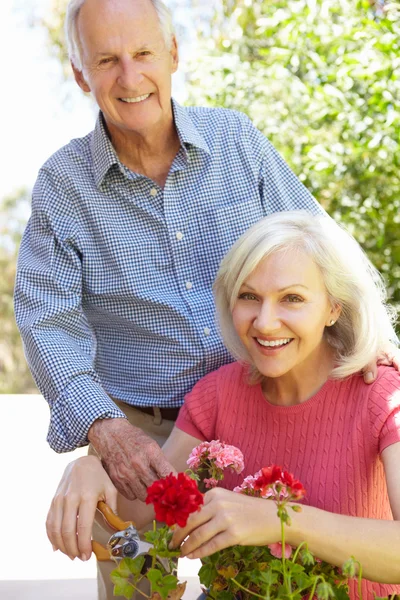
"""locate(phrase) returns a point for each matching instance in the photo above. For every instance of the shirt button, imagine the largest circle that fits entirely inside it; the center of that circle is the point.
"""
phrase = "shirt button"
(153, 192)
(179, 235)
(189, 285)
(207, 331)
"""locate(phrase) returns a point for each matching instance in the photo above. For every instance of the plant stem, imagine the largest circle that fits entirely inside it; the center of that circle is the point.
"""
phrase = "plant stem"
(246, 590)
(295, 555)
(359, 580)
(311, 596)
(139, 591)
(285, 577)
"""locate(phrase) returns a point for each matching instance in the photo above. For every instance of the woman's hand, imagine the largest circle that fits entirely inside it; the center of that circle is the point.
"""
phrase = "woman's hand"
(71, 515)
(226, 519)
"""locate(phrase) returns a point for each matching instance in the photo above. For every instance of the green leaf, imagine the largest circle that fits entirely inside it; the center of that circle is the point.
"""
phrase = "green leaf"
(160, 584)
(207, 574)
(122, 587)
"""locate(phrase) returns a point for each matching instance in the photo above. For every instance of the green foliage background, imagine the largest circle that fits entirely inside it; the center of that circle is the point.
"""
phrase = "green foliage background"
(321, 79)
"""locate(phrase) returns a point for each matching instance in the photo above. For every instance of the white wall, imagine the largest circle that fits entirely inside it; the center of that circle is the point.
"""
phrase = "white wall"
(30, 472)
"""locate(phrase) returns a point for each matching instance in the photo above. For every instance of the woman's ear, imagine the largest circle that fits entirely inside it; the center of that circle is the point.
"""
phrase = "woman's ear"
(334, 315)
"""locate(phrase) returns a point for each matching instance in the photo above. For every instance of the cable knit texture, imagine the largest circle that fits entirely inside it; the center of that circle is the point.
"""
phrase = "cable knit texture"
(332, 442)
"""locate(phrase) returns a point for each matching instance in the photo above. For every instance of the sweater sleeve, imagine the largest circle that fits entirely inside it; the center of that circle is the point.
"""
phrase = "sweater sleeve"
(198, 414)
(384, 403)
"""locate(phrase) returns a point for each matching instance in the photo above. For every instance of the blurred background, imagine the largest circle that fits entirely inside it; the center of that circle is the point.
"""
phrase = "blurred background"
(321, 79)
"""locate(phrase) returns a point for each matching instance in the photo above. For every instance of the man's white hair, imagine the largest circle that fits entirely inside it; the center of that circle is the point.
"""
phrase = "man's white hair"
(71, 28)
(365, 324)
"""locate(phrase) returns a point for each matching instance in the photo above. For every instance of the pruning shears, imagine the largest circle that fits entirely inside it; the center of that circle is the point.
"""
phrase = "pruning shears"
(124, 543)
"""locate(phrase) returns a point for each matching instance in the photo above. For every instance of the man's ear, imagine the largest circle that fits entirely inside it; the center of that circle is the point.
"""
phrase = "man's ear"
(79, 78)
(174, 54)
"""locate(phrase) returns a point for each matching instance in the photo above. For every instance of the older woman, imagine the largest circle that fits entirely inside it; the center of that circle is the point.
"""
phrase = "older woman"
(302, 309)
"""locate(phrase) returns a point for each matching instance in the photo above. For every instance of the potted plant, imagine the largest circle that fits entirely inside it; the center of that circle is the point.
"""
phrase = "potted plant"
(277, 571)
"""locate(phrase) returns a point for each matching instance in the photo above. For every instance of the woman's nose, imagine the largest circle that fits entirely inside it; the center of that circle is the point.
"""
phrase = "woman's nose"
(267, 319)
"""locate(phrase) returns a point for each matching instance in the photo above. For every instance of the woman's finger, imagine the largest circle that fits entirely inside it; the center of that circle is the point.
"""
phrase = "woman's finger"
(87, 511)
(203, 536)
(218, 542)
(69, 525)
(53, 523)
(195, 520)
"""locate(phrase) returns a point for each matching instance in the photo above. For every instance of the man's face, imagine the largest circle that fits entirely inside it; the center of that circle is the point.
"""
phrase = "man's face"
(126, 64)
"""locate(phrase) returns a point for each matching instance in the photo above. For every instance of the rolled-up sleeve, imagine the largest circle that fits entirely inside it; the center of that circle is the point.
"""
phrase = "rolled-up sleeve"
(58, 341)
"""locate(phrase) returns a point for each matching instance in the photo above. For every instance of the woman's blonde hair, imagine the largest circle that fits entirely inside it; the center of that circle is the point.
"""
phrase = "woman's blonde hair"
(365, 324)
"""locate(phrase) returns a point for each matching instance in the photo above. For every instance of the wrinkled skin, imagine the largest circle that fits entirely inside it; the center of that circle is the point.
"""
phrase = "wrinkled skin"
(132, 459)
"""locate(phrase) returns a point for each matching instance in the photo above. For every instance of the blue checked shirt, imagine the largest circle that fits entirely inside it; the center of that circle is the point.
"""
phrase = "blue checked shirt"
(113, 292)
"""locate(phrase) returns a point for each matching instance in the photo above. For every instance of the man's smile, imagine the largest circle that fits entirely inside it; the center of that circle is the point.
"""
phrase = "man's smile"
(135, 100)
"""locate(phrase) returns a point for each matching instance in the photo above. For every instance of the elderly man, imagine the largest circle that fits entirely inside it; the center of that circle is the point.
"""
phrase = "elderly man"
(113, 294)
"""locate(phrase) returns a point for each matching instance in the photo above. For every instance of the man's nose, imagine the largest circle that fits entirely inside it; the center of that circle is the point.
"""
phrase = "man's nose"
(267, 319)
(130, 75)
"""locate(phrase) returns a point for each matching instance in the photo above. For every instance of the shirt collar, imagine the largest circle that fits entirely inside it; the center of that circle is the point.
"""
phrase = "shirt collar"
(188, 134)
(104, 155)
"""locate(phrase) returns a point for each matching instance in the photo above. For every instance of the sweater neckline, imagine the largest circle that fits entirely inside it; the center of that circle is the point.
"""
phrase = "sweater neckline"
(296, 408)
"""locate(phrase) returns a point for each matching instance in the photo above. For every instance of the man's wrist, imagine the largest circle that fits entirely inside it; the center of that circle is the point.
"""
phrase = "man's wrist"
(98, 427)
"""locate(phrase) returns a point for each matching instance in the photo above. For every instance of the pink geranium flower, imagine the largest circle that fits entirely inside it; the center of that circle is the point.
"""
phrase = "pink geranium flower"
(213, 458)
(276, 550)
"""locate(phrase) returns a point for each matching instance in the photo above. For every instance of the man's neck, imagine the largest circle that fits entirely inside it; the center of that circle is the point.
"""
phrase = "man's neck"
(150, 155)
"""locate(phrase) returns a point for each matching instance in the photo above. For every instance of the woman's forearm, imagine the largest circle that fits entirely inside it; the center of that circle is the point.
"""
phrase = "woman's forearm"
(335, 538)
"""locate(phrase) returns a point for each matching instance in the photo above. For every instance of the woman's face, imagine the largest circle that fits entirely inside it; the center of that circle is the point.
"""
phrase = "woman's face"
(281, 312)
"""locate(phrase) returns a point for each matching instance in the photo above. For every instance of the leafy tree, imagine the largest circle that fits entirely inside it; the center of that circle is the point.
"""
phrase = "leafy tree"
(15, 377)
(321, 78)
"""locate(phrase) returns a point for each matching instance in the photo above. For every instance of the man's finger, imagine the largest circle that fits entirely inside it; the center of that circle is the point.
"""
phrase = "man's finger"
(162, 467)
(139, 490)
(370, 372)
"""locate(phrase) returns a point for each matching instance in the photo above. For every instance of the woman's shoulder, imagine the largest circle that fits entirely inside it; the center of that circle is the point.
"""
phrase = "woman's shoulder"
(386, 386)
(387, 381)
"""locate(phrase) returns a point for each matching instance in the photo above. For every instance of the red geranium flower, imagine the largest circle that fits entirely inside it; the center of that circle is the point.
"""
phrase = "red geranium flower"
(274, 479)
(174, 499)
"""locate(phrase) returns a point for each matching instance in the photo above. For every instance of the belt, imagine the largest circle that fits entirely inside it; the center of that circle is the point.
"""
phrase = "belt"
(170, 414)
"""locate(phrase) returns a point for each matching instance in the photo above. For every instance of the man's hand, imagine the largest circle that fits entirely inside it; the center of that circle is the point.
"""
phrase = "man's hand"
(389, 356)
(132, 459)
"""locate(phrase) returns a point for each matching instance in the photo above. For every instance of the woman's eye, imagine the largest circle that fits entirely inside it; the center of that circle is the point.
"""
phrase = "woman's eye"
(293, 298)
(247, 296)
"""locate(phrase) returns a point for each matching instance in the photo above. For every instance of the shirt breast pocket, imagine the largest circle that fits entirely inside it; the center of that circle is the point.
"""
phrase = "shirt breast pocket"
(221, 226)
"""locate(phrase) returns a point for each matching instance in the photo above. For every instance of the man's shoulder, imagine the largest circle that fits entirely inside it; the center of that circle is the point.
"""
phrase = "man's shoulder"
(69, 157)
(205, 116)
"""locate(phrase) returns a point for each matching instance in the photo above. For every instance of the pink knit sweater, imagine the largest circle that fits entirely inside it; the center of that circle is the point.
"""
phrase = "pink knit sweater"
(332, 442)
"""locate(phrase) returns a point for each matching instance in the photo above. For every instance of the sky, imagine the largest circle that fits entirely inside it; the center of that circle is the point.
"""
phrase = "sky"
(40, 111)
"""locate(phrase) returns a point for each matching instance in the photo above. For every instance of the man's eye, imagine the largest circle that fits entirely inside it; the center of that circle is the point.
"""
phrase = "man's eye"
(106, 61)
(247, 296)
(144, 53)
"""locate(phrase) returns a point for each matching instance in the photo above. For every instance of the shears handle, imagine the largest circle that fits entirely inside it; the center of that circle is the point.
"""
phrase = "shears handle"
(113, 520)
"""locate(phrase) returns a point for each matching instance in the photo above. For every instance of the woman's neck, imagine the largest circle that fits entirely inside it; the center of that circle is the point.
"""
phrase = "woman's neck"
(301, 382)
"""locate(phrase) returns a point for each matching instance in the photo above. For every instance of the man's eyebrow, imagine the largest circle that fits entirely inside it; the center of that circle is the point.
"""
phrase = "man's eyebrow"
(144, 46)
